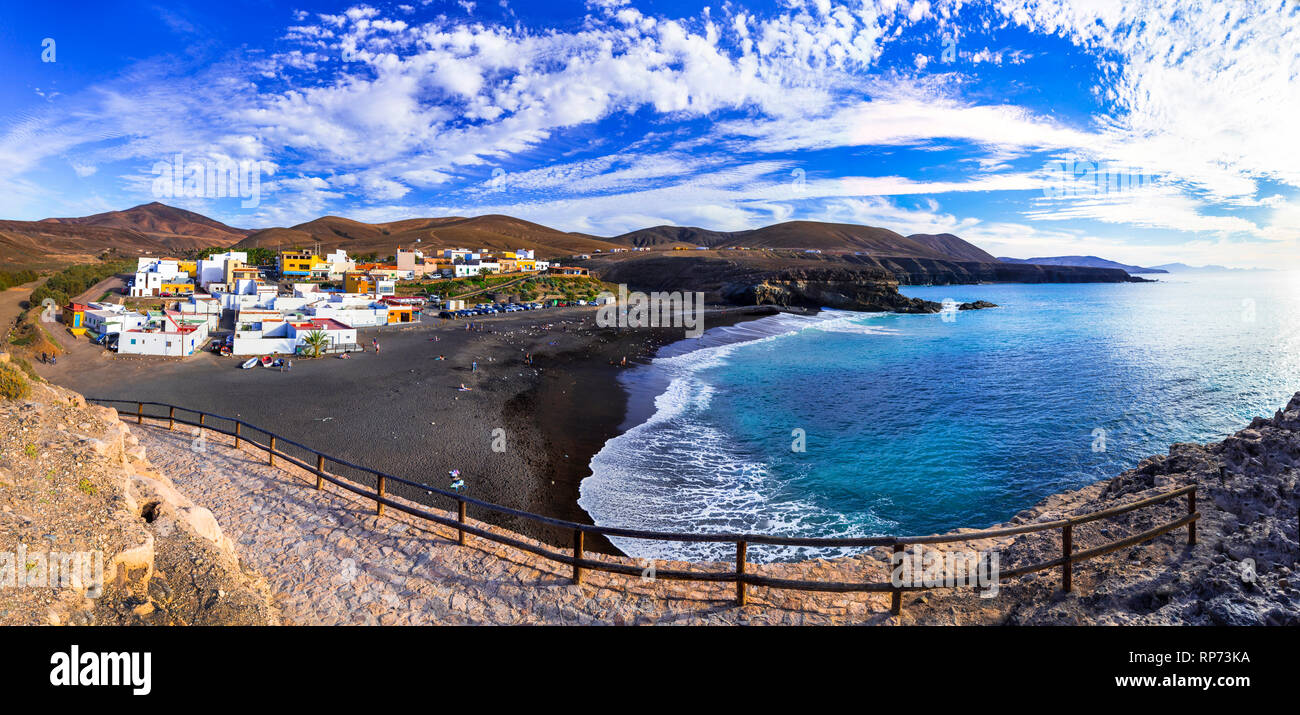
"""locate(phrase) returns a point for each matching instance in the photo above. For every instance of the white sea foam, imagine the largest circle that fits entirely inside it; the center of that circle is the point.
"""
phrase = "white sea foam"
(676, 472)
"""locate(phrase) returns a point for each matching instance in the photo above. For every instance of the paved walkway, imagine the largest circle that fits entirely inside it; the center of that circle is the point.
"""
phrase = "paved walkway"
(329, 560)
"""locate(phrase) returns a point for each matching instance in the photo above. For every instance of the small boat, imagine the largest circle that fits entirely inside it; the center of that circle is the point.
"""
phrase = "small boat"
(249, 364)
(266, 361)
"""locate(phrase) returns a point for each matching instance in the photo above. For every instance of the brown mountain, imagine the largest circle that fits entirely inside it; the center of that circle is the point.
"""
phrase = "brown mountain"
(950, 245)
(813, 235)
(491, 231)
(164, 222)
(148, 229)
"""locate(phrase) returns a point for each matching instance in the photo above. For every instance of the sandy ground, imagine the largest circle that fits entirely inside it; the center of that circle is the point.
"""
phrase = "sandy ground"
(402, 411)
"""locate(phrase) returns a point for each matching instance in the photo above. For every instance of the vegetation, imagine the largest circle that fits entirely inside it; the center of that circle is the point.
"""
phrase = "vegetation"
(13, 384)
(315, 341)
(85, 486)
(9, 279)
(256, 256)
(74, 280)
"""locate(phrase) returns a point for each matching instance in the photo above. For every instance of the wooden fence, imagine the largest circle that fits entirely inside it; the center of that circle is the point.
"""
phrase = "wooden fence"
(379, 486)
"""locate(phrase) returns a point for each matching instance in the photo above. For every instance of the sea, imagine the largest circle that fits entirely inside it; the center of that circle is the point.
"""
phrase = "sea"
(856, 424)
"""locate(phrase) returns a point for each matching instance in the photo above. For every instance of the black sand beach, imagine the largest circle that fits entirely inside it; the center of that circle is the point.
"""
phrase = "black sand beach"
(401, 410)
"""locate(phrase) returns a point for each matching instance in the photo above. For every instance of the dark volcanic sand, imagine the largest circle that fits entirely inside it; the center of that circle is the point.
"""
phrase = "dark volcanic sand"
(400, 411)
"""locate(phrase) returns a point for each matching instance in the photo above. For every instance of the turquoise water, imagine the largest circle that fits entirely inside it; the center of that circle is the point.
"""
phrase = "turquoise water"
(916, 424)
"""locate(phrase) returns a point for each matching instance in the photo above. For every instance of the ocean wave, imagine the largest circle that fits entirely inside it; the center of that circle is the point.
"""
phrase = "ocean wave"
(677, 472)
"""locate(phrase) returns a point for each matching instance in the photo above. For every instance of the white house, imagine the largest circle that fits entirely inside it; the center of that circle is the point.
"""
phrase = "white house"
(338, 264)
(168, 334)
(156, 276)
(205, 306)
(476, 267)
(284, 337)
(108, 318)
(215, 268)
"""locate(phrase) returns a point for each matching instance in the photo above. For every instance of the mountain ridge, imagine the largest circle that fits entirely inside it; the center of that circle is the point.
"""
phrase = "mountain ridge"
(1084, 261)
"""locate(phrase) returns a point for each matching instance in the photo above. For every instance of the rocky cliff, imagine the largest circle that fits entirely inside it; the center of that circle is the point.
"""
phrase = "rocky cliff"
(76, 484)
(813, 280)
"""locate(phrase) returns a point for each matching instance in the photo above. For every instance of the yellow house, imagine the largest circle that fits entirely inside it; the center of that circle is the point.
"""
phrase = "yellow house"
(190, 267)
(526, 264)
(176, 289)
(300, 263)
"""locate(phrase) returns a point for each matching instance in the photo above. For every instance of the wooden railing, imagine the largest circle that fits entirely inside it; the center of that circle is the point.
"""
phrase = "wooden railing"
(381, 488)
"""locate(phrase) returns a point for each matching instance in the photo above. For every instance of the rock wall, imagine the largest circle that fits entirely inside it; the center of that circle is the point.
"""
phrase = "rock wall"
(74, 479)
(849, 282)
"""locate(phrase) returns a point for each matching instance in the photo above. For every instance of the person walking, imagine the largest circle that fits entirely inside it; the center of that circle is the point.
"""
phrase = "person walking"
(473, 366)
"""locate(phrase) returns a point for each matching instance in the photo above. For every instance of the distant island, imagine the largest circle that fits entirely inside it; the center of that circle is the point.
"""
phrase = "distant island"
(1089, 262)
(1184, 268)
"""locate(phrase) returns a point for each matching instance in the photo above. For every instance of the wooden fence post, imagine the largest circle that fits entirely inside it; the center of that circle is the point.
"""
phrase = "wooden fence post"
(270, 453)
(237, 425)
(320, 470)
(1191, 509)
(139, 413)
(896, 595)
(741, 549)
(577, 556)
(461, 538)
(171, 418)
(379, 505)
(1067, 546)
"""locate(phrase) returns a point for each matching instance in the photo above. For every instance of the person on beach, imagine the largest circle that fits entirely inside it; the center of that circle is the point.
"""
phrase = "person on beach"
(473, 366)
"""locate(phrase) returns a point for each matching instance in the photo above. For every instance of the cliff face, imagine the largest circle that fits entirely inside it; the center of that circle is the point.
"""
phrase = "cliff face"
(75, 483)
(811, 280)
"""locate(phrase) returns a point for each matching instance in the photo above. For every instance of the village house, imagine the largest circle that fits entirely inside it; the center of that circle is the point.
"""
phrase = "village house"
(166, 334)
(74, 318)
(162, 277)
(301, 263)
(218, 268)
(109, 319)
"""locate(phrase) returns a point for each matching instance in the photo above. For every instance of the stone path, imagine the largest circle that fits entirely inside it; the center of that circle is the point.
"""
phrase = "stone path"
(330, 560)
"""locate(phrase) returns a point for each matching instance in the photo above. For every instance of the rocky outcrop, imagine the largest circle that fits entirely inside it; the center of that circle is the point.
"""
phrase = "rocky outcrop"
(1241, 571)
(812, 280)
(75, 480)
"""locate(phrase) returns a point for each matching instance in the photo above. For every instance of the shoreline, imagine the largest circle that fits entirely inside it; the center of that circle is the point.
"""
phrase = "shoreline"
(401, 410)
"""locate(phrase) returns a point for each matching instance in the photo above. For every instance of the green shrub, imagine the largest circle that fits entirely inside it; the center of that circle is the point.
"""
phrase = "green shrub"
(13, 385)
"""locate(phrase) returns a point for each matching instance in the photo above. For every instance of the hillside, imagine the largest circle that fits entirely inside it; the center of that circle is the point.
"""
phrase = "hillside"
(812, 235)
(148, 229)
(1088, 261)
(161, 221)
(492, 231)
(821, 280)
(950, 245)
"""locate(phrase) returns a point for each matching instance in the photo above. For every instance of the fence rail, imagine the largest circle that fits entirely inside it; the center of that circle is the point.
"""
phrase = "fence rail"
(380, 487)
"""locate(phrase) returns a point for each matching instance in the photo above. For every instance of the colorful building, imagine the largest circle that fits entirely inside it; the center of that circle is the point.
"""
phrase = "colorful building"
(74, 317)
(301, 263)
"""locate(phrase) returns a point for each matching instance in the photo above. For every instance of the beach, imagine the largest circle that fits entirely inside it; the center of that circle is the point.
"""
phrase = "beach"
(522, 435)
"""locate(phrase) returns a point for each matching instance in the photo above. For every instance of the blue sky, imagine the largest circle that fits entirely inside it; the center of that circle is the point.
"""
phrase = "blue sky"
(986, 118)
